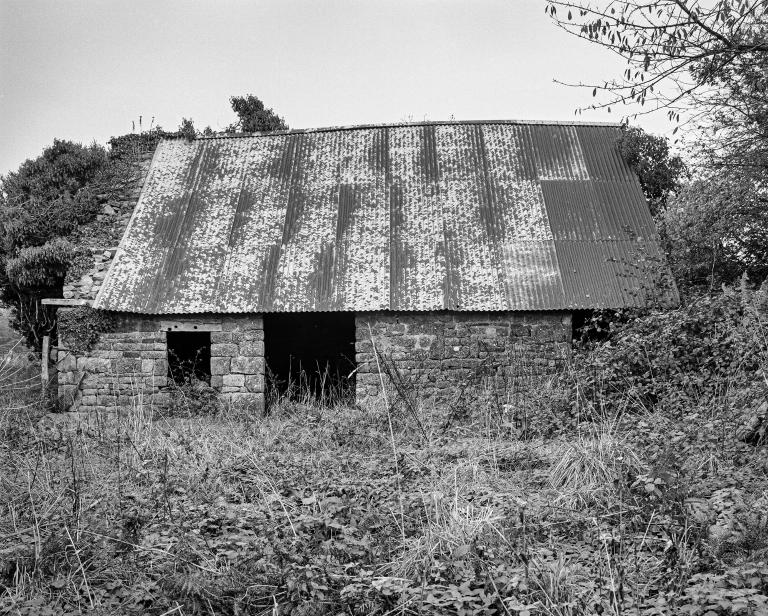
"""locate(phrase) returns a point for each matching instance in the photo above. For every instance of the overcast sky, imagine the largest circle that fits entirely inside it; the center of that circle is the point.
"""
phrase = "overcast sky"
(86, 69)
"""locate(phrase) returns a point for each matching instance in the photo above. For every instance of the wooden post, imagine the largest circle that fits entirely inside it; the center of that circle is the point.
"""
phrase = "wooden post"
(44, 361)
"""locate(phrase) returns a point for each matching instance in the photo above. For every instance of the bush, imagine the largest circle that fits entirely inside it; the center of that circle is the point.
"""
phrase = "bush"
(42, 204)
(675, 359)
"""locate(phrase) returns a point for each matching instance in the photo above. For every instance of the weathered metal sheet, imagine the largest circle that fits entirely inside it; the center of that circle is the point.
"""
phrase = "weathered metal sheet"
(600, 149)
(417, 244)
(620, 273)
(557, 152)
(473, 266)
(621, 211)
(254, 243)
(362, 245)
(416, 217)
(532, 275)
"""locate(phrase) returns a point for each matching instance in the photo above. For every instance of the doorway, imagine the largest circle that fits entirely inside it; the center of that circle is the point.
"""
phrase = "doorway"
(310, 356)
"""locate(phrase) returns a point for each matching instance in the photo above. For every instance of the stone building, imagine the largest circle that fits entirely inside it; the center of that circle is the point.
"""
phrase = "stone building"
(442, 254)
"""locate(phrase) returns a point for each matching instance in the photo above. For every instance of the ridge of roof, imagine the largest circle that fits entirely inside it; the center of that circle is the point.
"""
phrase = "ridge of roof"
(351, 127)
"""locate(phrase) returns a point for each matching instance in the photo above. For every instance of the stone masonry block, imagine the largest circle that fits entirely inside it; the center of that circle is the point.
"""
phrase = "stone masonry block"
(156, 381)
(254, 383)
(250, 335)
(465, 345)
(233, 380)
(220, 365)
(252, 348)
(224, 350)
(93, 364)
(221, 337)
(247, 365)
(127, 366)
(66, 361)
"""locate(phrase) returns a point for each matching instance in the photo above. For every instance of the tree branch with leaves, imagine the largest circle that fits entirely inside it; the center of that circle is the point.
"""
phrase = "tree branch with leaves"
(675, 50)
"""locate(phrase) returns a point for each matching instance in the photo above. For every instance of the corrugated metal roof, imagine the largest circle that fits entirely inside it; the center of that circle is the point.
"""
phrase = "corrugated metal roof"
(415, 217)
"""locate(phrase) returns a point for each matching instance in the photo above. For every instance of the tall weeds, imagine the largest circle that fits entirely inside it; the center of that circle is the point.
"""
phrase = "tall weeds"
(533, 500)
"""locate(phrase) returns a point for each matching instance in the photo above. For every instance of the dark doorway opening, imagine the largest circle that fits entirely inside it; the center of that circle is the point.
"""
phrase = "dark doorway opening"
(310, 356)
(189, 356)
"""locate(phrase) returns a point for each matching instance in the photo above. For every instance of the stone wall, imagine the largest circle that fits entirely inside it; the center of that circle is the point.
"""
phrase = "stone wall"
(102, 236)
(237, 361)
(443, 354)
(128, 366)
(87, 285)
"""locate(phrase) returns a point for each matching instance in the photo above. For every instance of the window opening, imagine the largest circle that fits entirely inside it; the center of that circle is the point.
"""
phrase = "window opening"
(189, 356)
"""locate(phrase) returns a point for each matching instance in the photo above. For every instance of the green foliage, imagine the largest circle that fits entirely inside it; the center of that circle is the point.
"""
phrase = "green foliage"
(63, 168)
(83, 326)
(40, 266)
(187, 129)
(673, 358)
(131, 146)
(80, 263)
(735, 139)
(717, 229)
(659, 171)
(323, 511)
(41, 204)
(672, 48)
(49, 196)
(738, 590)
(253, 116)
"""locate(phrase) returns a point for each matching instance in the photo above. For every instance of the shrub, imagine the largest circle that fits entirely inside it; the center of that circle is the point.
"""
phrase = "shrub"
(675, 359)
(40, 266)
(41, 204)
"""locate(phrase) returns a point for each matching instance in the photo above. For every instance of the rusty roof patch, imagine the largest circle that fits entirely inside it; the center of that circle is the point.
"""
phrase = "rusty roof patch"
(413, 217)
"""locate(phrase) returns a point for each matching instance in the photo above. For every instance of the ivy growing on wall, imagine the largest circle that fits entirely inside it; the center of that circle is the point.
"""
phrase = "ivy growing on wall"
(81, 327)
(80, 263)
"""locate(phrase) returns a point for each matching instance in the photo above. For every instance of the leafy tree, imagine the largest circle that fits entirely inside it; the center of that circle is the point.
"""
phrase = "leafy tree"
(736, 112)
(253, 116)
(675, 50)
(659, 171)
(42, 203)
(716, 229)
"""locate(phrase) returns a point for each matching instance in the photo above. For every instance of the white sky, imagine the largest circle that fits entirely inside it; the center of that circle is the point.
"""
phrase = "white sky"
(84, 70)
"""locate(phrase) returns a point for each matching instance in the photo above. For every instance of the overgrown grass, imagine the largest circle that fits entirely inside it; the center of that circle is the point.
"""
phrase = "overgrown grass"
(319, 509)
